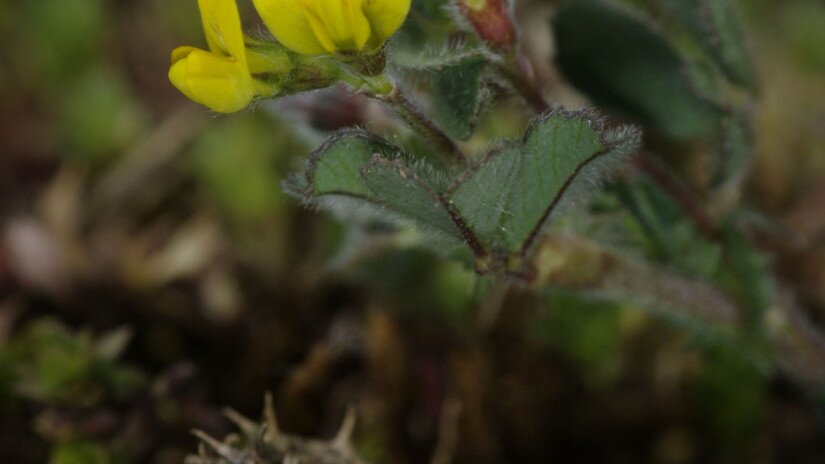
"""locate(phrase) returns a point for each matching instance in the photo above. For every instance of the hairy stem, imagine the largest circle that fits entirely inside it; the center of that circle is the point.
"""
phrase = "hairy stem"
(413, 116)
(526, 88)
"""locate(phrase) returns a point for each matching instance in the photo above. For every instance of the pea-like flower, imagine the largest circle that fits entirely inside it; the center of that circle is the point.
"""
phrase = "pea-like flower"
(219, 78)
(316, 27)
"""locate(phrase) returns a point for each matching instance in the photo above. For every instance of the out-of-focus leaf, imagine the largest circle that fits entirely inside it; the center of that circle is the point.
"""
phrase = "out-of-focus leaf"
(671, 236)
(716, 26)
(451, 77)
(453, 283)
(61, 37)
(236, 162)
(610, 52)
(410, 53)
(585, 328)
(111, 344)
(80, 452)
(735, 153)
(802, 21)
(750, 269)
(124, 382)
(51, 364)
(431, 8)
(512, 193)
(732, 394)
(458, 96)
(432, 287)
(101, 116)
(449, 74)
(428, 22)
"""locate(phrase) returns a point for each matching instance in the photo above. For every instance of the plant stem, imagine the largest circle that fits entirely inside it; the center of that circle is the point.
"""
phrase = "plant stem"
(677, 191)
(423, 125)
(526, 88)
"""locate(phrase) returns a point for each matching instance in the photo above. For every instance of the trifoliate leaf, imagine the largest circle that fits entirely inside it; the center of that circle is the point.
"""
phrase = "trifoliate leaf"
(508, 197)
(497, 207)
(400, 189)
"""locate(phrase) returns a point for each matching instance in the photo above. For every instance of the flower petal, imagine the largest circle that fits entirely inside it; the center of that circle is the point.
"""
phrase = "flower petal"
(289, 24)
(222, 27)
(220, 83)
(343, 21)
(385, 18)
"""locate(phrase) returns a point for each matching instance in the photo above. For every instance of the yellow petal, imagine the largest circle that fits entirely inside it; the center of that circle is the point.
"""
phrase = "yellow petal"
(181, 53)
(220, 83)
(179, 70)
(222, 27)
(319, 29)
(289, 24)
(385, 18)
(359, 23)
(343, 21)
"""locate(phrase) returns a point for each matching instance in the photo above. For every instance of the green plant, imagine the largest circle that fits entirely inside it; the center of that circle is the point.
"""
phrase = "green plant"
(579, 204)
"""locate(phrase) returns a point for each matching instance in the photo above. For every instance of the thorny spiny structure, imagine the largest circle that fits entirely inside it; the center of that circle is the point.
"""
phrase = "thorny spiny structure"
(264, 443)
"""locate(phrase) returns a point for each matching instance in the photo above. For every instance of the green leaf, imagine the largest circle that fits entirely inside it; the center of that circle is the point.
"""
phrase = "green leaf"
(100, 116)
(750, 271)
(732, 396)
(508, 197)
(670, 236)
(735, 153)
(501, 204)
(334, 167)
(400, 189)
(241, 147)
(458, 95)
(58, 49)
(80, 452)
(581, 325)
(359, 166)
(716, 27)
(452, 78)
(426, 41)
(802, 22)
(52, 364)
(614, 55)
(412, 53)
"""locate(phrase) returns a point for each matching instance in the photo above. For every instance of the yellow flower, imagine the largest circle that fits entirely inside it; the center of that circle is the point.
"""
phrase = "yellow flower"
(315, 27)
(220, 78)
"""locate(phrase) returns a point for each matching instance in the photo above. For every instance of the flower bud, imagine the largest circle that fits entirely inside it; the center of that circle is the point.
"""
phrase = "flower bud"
(491, 21)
